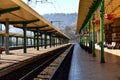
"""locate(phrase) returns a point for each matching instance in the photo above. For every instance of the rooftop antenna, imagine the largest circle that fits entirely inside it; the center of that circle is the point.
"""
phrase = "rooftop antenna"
(43, 1)
(30, 2)
(59, 23)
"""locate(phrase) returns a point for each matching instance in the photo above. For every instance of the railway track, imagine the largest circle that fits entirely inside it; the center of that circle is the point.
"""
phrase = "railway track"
(49, 71)
(42, 69)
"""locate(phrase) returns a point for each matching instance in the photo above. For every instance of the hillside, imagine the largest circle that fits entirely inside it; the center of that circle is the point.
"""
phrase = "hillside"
(61, 20)
(65, 22)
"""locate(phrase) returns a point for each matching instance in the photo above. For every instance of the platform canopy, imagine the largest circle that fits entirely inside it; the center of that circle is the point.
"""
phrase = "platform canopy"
(19, 13)
(15, 34)
(87, 8)
(85, 12)
(111, 7)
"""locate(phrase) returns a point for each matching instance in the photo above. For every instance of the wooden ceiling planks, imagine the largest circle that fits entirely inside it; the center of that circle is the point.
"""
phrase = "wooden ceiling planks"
(15, 34)
(111, 6)
(84, 7)
(25, 13)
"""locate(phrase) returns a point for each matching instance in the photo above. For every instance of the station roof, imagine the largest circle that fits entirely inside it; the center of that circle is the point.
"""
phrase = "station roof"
(86, 9)
(15, 34)
(20, 13)
(85, 13)
(111, 7)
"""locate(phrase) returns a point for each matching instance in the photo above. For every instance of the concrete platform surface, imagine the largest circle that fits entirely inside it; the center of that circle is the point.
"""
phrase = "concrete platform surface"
(18, 57)
(86, 67)
(111, 51)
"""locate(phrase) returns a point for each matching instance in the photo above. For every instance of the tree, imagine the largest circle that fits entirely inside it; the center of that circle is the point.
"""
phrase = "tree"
(70, 31)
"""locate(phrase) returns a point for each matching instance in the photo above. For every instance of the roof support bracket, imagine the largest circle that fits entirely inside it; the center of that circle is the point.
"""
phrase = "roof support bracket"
(7, 10)
(46, 30)
(40, 27)
(21, 22)
(93, 8)
(31, 21)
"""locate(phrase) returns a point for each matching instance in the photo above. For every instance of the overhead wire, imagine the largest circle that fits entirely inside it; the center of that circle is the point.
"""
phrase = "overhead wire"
(47, 1)
(53, 4)
(58, 6)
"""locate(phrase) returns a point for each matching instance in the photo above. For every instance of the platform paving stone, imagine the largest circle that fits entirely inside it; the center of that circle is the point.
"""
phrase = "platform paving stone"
(17, 56)
(86, 67)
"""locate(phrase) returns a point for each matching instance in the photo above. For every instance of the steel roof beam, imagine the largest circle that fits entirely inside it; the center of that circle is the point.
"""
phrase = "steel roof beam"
(92, 9)
(21, 22)
(30, 28)
(7, 10)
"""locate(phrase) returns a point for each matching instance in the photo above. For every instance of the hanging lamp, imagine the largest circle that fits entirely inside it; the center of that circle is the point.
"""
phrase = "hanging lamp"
(110, 16)
(96, 21)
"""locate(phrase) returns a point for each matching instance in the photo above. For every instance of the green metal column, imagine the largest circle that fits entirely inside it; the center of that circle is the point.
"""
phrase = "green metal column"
(3, 40)
(93, 37)
(60, 41)
(56, 40)
(41, 40)
(45, 40)
(50, 40)
(80, 39)
(84, 39)
(22, 41)
(53, 41)
(63, 41)
(85, 36)
(66, 40)
(16, 41)
(89, 33)
(37, 39)
(7, 36)
(31, 41)
(102, 31)
(10, 38)
(34, 40)
(24, 30)
(27, 40)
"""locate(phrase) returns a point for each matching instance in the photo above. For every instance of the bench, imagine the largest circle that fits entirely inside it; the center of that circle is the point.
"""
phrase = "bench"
(2, 49)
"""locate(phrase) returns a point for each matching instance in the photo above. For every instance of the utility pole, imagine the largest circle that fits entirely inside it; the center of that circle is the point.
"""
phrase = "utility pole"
(42, 1)
(0, 27)
(59, 23)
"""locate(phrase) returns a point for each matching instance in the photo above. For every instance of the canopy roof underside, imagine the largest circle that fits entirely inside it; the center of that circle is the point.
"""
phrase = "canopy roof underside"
(111, 7)
(25, 14)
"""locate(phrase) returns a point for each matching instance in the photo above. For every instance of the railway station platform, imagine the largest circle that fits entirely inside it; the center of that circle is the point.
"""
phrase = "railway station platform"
(17, 58)
(86, 67)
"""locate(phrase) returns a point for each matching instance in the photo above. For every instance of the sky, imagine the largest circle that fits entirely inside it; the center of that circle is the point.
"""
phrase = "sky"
(54, 6)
